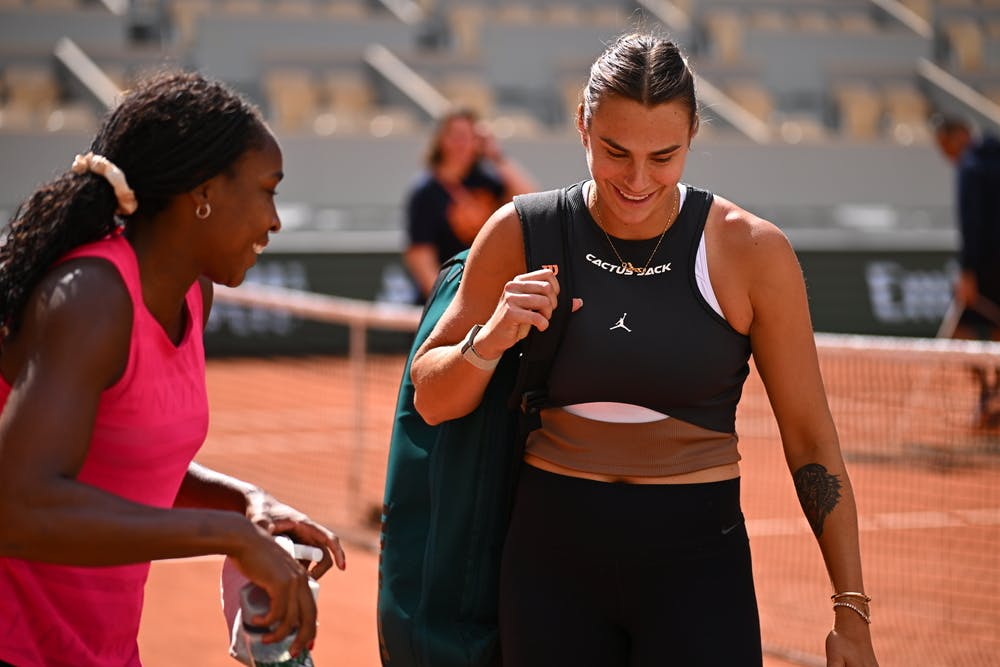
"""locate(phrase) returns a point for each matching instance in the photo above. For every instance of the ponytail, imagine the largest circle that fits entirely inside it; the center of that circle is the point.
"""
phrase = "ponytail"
(72, 210)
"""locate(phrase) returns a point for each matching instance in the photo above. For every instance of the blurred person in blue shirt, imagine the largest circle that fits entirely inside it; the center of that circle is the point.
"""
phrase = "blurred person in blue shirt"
(977, 289)
(466, 178)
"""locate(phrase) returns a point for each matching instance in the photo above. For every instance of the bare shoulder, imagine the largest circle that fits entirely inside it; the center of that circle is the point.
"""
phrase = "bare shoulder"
(499, 246)
(496, 256)
(747, 240)
(78, 316)
(87, 292)
(739, 226)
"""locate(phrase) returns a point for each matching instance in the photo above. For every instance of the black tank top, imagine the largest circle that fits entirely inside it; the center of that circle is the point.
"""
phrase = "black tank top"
(652, 339)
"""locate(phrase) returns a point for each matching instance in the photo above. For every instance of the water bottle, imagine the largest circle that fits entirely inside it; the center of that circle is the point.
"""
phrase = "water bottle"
(255, 602)
(243, 600)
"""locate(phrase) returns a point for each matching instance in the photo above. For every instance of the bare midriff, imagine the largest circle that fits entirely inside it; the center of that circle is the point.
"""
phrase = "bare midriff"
(713, 474)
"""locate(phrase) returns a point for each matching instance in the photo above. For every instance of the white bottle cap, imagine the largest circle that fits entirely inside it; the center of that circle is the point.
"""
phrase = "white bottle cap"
(306, 552)
(299, 551)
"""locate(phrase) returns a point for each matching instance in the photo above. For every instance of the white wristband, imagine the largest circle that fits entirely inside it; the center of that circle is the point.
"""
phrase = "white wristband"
(469, 351)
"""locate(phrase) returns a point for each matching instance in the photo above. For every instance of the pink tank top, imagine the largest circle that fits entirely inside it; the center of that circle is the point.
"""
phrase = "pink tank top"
(149, 426)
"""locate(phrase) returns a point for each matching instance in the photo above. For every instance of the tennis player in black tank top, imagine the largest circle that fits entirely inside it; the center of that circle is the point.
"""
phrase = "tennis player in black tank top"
(627, 546)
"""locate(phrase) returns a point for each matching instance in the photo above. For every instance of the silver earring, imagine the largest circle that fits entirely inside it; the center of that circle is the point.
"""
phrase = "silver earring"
(203, 211)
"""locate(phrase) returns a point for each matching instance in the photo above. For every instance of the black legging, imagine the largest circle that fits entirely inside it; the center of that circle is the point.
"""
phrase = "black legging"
(627, 575)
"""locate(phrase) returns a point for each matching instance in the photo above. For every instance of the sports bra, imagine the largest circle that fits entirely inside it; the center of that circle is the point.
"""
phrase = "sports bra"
(649, 373)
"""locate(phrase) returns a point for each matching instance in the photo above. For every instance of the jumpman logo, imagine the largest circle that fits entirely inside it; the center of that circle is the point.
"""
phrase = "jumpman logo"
(621, 324)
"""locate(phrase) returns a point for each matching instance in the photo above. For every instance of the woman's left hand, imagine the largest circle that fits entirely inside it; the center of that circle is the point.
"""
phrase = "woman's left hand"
(843, 650)
(280, 519)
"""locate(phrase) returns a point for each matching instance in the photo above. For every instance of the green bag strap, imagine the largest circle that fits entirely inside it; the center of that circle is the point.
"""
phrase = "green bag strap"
(452, 269)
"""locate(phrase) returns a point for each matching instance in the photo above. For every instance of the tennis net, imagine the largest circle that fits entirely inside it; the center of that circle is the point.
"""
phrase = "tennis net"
(314, 430)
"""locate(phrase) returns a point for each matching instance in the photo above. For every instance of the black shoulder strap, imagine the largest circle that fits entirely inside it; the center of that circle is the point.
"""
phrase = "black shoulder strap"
(545, 226)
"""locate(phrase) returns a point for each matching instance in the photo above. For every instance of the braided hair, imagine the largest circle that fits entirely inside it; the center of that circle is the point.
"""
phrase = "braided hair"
(168, 134)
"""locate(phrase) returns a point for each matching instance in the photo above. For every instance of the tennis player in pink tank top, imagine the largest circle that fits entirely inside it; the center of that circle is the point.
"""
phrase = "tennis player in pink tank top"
(105, 285)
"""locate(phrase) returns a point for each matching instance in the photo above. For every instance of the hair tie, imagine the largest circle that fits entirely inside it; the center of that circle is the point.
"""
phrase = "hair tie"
(102, 166)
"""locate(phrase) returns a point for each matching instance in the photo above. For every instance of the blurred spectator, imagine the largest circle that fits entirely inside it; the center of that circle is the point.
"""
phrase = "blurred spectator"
(467, 177)
(975, 313)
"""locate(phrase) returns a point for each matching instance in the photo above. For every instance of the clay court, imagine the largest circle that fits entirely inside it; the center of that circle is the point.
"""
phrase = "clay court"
(930, 511)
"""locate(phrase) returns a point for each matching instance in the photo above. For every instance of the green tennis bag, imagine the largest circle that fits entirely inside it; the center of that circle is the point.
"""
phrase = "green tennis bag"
(449, 487)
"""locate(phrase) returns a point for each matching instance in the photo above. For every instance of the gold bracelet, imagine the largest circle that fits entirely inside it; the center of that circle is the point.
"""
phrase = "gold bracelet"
(850, 594)
(867, 618)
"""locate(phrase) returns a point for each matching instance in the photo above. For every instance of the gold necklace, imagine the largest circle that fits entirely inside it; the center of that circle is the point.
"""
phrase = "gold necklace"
(629, 266)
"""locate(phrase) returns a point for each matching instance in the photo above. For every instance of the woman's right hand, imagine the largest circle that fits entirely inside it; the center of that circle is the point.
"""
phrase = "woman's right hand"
(293, 608)
(445, 385)
(527, 301)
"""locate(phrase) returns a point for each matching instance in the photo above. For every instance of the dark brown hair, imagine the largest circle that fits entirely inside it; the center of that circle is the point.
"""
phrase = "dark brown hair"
(642, 67)
(170, 133)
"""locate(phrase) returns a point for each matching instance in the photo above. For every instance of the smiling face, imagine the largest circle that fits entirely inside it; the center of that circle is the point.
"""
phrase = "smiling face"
(243, 213)
(636, 155)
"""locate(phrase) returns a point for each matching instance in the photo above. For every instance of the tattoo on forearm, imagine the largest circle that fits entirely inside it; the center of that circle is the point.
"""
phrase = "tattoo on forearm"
(819, 493)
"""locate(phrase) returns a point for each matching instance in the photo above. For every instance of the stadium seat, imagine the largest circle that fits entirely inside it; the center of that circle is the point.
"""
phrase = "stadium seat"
(965, 41)
(860, 111)
(55, 5)
(16, 119)
(725, 35)
(466, 21)
(78, 118)
(392, 121)
(294, 8)
(562, 13)
(517, 13)
(770, 19)
(346, 9)
(471, 91)
(327, 123)
(857, 22)
(571, 93)
(32, 88)
(184, 15)
(814, 21)
(602, 15)
(922, 8)
(348, 92)
(753, 97)
(801, 128)
(906, 111)
(346, 104)
(292, 98)
(241, 7)
(516, 123)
